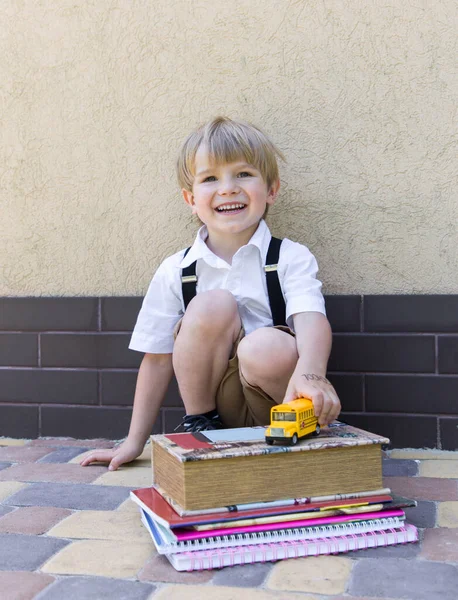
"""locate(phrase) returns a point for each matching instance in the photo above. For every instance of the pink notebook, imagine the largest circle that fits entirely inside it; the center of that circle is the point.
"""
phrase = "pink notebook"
(229, 557)
(195, 535)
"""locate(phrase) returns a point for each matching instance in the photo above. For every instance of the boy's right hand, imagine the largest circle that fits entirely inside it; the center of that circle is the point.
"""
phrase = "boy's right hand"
(126, 452)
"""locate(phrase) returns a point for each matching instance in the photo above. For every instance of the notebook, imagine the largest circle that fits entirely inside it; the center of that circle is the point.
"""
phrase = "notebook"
(155, 504)
(166, 543)
(239, 555)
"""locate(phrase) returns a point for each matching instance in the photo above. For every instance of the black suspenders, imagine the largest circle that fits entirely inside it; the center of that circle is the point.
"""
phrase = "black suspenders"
(276, 300)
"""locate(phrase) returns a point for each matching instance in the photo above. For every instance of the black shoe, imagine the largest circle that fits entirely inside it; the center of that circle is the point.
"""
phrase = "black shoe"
(194, 423)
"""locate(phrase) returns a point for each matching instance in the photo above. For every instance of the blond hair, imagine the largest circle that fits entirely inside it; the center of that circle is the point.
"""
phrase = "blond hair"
(227, 141)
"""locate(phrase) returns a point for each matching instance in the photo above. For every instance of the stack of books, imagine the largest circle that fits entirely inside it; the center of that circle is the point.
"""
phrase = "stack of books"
(224, 498)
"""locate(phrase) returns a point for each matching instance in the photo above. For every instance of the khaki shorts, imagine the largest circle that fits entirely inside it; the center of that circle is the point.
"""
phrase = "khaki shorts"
(240, 404)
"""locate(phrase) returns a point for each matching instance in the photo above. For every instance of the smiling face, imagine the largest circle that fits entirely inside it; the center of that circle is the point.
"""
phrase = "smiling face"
(230, 198)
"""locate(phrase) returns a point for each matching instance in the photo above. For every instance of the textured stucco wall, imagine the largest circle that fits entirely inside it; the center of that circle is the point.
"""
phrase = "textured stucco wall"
(96, 96)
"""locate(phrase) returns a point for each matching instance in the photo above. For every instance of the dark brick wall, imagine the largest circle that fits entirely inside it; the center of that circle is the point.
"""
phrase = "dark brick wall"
(65, 369)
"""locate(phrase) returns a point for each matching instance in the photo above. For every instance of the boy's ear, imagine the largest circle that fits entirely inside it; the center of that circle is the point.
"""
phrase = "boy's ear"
(273, 192)
(189, 199)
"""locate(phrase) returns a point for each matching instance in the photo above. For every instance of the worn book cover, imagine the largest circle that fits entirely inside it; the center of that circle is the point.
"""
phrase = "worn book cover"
(217, 468)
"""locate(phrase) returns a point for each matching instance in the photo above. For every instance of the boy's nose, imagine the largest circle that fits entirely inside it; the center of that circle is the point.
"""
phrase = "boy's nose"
(228, 187)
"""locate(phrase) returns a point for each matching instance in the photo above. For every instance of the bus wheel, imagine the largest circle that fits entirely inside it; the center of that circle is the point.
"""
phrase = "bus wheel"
(294, 440)
(317, 430)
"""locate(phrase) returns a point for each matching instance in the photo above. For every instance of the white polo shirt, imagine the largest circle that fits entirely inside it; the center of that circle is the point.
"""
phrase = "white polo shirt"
(163, 304)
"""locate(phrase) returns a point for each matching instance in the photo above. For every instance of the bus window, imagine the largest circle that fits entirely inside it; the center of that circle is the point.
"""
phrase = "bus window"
(283, 416)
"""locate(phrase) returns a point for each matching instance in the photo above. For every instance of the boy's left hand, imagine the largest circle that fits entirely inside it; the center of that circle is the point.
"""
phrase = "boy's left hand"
(320, 390)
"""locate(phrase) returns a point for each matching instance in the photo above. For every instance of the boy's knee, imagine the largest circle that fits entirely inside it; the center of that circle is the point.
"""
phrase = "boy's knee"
(213, 310)
(267, 351)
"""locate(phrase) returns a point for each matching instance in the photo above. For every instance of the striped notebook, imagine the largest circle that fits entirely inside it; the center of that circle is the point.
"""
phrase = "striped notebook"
(216, 558)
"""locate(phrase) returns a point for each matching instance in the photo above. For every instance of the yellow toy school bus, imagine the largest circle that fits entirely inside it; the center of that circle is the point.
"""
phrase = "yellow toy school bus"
(291, 421)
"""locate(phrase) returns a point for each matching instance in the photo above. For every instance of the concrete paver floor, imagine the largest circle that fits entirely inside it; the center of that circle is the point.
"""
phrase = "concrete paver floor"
(71, 532)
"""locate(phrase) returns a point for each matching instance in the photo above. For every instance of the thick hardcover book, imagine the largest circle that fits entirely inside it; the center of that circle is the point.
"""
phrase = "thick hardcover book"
(239, 555)
(209, 470)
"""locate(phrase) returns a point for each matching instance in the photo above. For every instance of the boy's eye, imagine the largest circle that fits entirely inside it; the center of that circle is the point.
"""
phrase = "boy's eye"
(245, 174)
(209, 178)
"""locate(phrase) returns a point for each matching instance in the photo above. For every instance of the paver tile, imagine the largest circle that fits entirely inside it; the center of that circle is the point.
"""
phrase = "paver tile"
(21, 585)
(4, 510)
(51, 472)
(448, 514)
(159, 569)
(129, 507)
(4, 465)
(104, 558)
(129, 476)
(418, 454)
(62, 455)
(407, 579)
(102, 525)
(22, 454)
(12, 442)
(424, 488)
(67, 495)
(213, 592)
(243, 576)
(439, 468)
(399, 467)
(314, 574)
(32, 520)
(440, 544)
(96, 588)
(60, 442)
(422, 515)
(26, 552)
(8, 488)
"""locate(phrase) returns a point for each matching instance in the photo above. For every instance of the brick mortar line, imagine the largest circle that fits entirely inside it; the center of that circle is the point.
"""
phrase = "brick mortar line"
(39, 350)
(99, 314)
(361, 313)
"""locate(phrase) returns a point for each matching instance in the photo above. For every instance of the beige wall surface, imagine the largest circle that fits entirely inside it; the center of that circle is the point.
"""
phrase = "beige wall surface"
(97, 95)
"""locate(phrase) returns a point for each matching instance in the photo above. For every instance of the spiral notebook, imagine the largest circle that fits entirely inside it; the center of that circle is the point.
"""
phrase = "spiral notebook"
(239, 555)
(166, 545)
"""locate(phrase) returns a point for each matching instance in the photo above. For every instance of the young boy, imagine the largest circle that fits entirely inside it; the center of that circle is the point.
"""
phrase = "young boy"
(232, 365)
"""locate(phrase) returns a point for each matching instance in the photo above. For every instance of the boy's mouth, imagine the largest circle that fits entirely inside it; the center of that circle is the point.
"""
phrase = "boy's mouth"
(230, 208)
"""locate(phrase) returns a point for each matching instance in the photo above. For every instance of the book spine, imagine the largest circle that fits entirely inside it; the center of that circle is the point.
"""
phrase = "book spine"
(273, 504)
(223, 557)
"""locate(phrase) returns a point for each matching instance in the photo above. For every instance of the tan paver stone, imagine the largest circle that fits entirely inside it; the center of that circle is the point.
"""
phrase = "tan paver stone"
(128, 476)
(51, 472)
(105, 558)
(21, 585)
(32, 520)
(314, 574)
(447, 469)
(128, 507)
(447, 514)
(8, 488)
(215, 592)
(12, 442)
(440, 544)
(158, 568)
(423, 454)
(23, 454)
(103, 525)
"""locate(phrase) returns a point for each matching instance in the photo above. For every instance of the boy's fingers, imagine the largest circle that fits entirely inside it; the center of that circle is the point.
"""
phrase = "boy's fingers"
(318, 402)
(98, 456)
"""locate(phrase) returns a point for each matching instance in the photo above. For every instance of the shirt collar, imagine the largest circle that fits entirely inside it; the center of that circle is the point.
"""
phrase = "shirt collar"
(199, 250)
